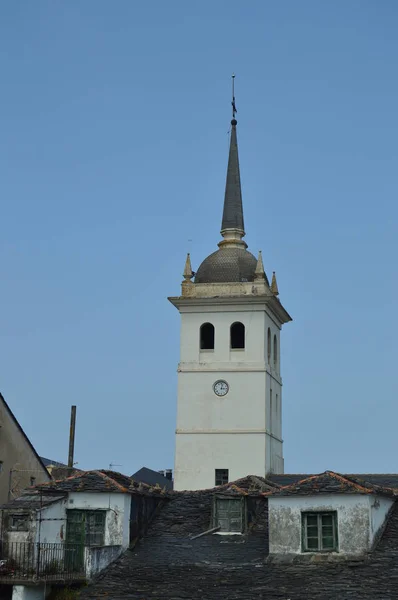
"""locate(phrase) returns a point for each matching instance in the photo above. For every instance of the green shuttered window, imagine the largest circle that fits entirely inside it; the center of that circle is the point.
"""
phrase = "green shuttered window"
(229, 514)
(319, 531)
(86, 527)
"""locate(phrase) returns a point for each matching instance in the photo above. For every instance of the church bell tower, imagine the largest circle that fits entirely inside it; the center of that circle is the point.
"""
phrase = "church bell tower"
(229, 407)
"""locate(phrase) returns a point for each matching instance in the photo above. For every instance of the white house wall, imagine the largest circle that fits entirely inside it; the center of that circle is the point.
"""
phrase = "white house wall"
(51, 529)
(117, 507)
(126, 521)
(353, 514)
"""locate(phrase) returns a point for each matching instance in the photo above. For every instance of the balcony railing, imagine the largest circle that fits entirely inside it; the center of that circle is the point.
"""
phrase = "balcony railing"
(25, 561)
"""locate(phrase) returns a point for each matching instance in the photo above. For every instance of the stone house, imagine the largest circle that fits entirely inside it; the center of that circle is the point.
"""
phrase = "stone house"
(71, 529)
(317, 538)
(20, 465)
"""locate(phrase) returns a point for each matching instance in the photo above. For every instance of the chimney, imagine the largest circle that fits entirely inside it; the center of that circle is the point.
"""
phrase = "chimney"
(72, 436)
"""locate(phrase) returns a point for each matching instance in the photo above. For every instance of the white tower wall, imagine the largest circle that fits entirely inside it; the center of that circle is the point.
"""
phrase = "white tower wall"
(241, 431)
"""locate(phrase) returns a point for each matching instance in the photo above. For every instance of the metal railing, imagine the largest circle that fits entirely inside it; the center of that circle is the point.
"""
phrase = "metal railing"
(26, 561)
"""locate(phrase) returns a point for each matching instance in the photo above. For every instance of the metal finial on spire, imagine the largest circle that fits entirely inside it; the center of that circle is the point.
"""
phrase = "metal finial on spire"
(234, 111)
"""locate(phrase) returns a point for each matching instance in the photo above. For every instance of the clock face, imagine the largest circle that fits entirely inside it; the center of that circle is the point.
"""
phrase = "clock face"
(221, 387)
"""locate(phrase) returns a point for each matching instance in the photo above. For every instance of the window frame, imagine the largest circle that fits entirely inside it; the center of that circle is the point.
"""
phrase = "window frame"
(319, 514)
(269, 345)
(275, 351)
(217, 500)
(219, 471)
(24, 519)
(81, 530)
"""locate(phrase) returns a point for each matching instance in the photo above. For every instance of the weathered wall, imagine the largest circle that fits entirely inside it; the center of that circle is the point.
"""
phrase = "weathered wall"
(237, 431)
(97, 558)
(353, 516)
(52, 526)
(17, 455)
(118, 513)
(379, 507)
(12, 536)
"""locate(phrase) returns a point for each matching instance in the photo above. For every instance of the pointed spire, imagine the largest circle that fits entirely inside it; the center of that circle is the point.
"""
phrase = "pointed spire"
(274, 285)
(188, 274)
(233, 210)
(259, 273)
(232, 219)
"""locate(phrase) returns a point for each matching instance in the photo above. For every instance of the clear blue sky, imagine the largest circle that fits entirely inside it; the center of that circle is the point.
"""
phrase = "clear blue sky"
(113, 152)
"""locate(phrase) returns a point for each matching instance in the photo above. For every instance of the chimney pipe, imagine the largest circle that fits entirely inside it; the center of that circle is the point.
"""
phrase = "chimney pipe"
(72, 436)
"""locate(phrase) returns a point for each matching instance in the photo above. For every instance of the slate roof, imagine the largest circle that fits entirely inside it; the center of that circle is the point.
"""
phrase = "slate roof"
(331, 482)
(99, 481)
(47, 462)
(151, 477)
(227, 265)
(90, 481)
(169, 564)
(233, 209)
(230, 264)
(382, 479)
(249, 485)
(32, 500)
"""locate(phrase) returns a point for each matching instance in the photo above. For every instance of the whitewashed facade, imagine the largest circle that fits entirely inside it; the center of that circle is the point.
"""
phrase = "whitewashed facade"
(360, 519)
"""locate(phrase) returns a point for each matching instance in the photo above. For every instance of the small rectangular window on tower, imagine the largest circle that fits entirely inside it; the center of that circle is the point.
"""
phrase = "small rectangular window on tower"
(222, 476)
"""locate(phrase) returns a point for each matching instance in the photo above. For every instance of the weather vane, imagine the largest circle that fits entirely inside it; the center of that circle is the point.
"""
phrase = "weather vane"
(234, 110)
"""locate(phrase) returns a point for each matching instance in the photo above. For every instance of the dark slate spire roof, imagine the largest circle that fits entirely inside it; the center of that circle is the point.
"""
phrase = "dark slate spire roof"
(232, 262)
(233, 210)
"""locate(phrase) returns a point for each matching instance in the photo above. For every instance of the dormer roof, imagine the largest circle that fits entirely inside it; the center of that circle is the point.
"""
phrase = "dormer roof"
(330, 482)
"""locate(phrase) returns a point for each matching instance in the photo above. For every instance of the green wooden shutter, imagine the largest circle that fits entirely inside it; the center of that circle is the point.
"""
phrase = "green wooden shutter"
(229, 514)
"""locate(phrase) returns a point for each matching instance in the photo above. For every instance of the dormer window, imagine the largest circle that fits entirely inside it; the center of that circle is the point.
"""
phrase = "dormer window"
(319, 531)
(229, 514)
